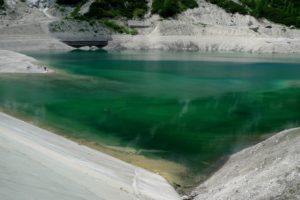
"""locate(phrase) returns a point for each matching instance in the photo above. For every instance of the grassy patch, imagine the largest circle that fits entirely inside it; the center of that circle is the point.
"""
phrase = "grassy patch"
(70, 2)
(1, 4)
(280, 11)
(118, 28)
(169, 8)
(230, 6)
(117, 8)
(137, 9)
(285, 12)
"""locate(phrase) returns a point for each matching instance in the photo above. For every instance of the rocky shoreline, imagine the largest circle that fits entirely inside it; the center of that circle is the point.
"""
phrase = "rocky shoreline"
(209, 28)
(268, 170)
(206, 28)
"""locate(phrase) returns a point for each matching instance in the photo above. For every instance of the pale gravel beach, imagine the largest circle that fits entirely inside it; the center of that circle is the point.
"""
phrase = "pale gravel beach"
(37, 164)
(12, 62)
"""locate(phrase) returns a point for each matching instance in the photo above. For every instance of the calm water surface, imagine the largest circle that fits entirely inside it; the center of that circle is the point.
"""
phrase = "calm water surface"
(185, 107)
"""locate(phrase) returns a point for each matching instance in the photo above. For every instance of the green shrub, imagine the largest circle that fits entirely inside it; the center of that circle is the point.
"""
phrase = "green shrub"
(285, 12)
(118, 28)
(230, 6)
(190, 3)
(70, 2)
(117, 8)
(169, 8)
(1, 4)
(280, 11)
(139, 12)
(75, 13)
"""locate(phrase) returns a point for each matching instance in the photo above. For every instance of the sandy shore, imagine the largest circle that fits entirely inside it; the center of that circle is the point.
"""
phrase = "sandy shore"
(38, 164)
(12, 62)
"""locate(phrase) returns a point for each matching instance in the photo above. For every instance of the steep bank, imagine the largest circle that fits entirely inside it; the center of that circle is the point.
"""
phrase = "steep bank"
(26, 29)
(210, 28)
(268, 170)
(206, 28)
(41, 165)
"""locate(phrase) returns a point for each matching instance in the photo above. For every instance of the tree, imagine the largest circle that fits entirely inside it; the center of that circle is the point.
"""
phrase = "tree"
(260, 5)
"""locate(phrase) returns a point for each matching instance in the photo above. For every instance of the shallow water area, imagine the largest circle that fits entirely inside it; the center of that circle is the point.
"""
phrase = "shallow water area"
(185, 110)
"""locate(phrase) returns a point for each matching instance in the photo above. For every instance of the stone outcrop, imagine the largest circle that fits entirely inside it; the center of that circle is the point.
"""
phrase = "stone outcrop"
(39, 3)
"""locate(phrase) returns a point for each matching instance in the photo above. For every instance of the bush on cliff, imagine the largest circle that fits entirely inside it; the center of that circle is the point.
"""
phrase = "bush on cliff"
(169, 8)
(70, 2)
(286, 12)
(280, 11)
(1, 4)
(117, 8)
(230, 6)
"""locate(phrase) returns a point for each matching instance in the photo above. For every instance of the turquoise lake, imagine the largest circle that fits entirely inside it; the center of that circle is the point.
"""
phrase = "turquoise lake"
(190, 108)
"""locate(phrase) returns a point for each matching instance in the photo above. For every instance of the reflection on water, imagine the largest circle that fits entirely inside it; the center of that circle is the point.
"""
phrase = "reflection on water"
(168, 105)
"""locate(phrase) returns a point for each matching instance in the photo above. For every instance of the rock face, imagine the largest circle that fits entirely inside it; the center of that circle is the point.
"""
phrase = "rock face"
(79, 30)
(206, 28)
(26, 29)
(268, 170)
(39, 3)
(31, 3)
(80, 33)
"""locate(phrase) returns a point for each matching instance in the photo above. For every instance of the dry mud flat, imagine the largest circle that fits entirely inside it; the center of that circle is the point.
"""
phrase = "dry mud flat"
(268, 170)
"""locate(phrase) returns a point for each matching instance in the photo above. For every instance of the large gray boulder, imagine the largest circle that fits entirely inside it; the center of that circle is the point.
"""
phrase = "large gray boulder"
(39, 3)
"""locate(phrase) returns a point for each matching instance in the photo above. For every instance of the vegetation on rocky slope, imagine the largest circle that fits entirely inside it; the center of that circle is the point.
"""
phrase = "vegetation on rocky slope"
(105, 10)
(1, 4)
(69, 2)
(286, 12)
(169, 8)
(119, 28)
(138, 8)
(230, 6)
(132, 8)
(281, 11)
(117, 8)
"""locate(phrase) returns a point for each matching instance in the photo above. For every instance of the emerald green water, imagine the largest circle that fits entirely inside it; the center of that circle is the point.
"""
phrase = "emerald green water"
(177, 106)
